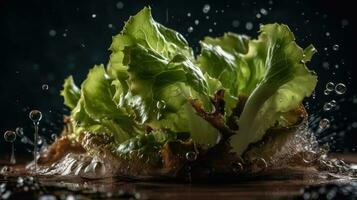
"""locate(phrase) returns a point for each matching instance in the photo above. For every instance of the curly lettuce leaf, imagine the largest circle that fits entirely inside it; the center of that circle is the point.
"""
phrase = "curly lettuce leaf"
(285, 83)
(71, 93)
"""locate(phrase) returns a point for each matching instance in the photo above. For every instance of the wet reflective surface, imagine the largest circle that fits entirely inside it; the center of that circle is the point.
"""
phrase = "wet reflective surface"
(288, 184)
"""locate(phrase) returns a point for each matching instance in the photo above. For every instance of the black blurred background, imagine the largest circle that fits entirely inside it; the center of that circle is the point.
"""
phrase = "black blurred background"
(42, 42)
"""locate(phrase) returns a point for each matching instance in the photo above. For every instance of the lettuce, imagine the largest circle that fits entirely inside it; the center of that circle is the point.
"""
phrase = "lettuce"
(143, 97)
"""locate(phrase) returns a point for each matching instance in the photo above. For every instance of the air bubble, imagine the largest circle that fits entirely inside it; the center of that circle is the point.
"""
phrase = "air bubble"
(340, 88)
(324, 123)
(206, 8)
(191, 156)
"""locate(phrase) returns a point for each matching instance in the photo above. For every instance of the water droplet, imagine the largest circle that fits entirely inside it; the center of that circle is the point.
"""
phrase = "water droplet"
(39, 141)
(19, 131)
(10, 136)
(335, 47)
(210, 30)
(64, 34)
(161, 104)
(206, 8)
(237, 167)
(54, 136)
(190, 29)
(35, 116)
(158, 116)
(324, 123)
(44, 87)
(188, 14)
(120, 5)
(94, 15)
(340, 88)
(110, 25)
(47, 197)
(249, 26)
(258, 15)
(24, 140)
(197, 21)
(333, 103)
(263, 11)
(327, 106)
(191, 156)
(52, 33)
(330, 86)
(327, 92)
(325, 65)
(235, 23)
(327, 34)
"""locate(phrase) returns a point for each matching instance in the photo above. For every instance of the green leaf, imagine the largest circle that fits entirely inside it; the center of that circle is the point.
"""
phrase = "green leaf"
(71, 93)
(285, 83)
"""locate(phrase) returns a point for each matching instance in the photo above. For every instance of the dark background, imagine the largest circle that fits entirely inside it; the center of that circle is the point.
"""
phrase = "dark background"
(42, 42)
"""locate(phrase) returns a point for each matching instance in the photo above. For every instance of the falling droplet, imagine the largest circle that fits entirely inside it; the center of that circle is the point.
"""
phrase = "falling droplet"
(324, 123)
(330, 86)
(340, 88)
(206, 8)
(94, 15)
(210, 30)
(45, 87)
(190, 29)
(335, 47)
(191, 156)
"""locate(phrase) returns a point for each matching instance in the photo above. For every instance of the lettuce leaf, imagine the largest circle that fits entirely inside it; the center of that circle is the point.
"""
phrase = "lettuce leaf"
(71, 93)
(285, 83)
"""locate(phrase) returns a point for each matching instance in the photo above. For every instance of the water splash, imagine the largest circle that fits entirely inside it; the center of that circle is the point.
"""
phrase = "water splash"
(35, 116)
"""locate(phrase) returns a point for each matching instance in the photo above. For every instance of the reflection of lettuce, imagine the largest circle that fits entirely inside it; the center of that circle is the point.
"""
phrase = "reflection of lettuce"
(152, 74)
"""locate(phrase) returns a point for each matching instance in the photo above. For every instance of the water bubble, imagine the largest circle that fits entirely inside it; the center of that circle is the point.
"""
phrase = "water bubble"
(206, 8)
(94, 15)
(210, 30)
(52, 33)
(335, 47)
(258, 15)
(197, 21)
(263, 11)
(35, 116)
(120, 5)
(327, 34)
(191, 156)
(190, 29)
(327, 107)
(327, 92)
(188, 14)
(324, 123)
(161, 104)
(10, 136)
(19, 131)
(330, 86)
(44, 87)
(235, 23)
(340, 88)
(249, 26)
